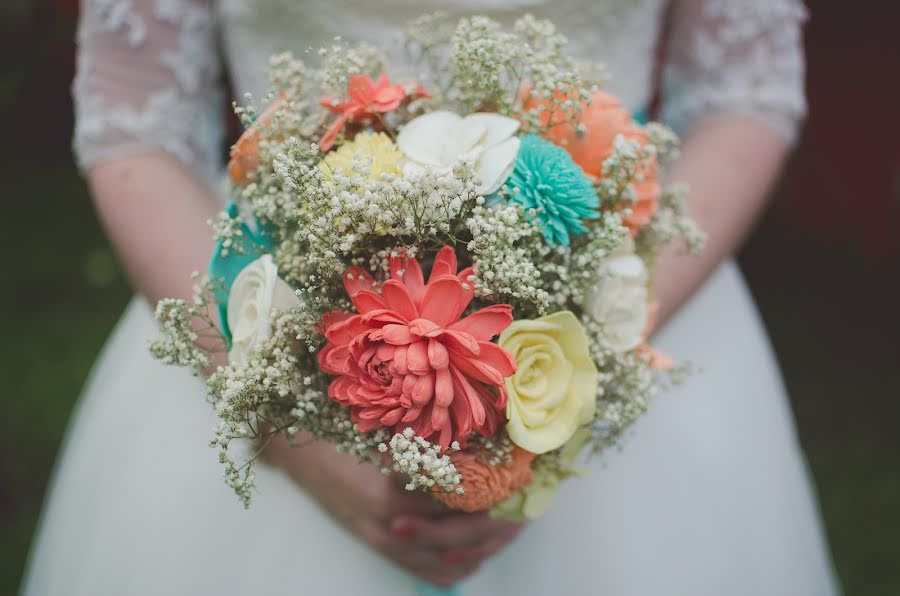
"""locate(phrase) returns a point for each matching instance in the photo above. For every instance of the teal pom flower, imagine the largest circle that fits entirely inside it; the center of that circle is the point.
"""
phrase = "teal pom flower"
(545, 178)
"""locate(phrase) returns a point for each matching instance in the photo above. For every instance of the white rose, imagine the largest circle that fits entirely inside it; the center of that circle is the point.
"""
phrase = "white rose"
(440, 139)
(255, 294)
(619, 298)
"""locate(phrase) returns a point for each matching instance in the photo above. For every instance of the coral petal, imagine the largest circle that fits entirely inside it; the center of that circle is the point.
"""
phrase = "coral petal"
(411, 415)
(343, 332)
(398, 299)
(393, 417)
(497, 358)
(425, 328)
(471, 367)
(442, 300)
(443, 388)
(397, 335)
(440, 417)
(408, 271)
(366, 301)
(382, 316)
(356, 279)
(423, 390)
(417, 358)
(461, 342)
(444, 263)
(438, 357)
(464, 389)
(485, 323)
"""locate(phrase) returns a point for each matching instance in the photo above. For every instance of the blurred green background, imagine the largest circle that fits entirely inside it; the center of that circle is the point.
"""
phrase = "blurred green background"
(823, 266)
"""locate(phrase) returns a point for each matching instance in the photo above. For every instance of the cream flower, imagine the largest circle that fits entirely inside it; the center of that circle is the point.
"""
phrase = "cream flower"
(619, 298)
(376, 149)
(554, 388)
(257, 291)
(440, 139)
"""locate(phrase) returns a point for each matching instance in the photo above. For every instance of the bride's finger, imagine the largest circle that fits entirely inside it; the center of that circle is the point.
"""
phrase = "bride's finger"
(480, 553)
(457, 531)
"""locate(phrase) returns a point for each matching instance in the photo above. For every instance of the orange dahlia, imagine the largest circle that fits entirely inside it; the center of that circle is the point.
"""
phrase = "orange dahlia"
(484, 484)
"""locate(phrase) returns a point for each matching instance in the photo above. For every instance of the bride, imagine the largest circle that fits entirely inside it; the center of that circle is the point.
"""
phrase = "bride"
(710, 494)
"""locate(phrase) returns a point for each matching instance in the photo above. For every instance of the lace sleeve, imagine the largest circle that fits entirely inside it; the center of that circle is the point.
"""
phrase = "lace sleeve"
(735, 56)
(146, 80)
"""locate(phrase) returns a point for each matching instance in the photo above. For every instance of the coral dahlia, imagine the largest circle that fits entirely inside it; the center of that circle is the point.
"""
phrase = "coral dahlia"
(406, 359)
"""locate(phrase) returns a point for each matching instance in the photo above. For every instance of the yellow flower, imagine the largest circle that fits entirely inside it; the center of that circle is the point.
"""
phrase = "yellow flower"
(554, 388)
(533, 500)
(376, 149)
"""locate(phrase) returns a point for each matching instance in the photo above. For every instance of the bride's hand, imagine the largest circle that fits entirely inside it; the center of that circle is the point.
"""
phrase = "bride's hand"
(409, 528)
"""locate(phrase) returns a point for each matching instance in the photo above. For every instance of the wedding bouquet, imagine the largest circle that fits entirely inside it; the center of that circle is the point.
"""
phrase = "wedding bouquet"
(530, 198)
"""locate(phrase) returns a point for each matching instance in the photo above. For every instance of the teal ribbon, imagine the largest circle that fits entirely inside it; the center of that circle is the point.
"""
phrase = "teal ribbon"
(641, 116)
(426, 589)
(223, 270)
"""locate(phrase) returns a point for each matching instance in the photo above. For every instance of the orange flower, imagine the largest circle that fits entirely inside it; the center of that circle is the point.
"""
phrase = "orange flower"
(602, 121)
(245, 151)
(486, 485)
(365, 99)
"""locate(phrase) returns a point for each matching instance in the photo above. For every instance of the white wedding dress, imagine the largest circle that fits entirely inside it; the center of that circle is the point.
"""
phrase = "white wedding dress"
(710, 495)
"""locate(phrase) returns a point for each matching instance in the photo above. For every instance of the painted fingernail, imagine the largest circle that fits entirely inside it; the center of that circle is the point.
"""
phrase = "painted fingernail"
(452, 557)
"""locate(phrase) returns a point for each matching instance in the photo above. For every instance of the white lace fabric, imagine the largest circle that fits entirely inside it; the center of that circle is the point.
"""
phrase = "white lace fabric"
(735, 56)
(146, 80)
(148, 70)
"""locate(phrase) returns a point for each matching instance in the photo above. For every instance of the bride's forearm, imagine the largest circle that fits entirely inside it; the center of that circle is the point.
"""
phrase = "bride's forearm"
(154, 210)
(730, 163)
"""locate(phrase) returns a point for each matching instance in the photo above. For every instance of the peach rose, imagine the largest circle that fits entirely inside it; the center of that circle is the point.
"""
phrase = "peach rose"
(486, 485)
(602, 121)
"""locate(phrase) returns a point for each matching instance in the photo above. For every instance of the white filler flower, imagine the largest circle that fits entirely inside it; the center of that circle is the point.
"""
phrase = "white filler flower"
(255, 294)
(619, 300)
(440, 139)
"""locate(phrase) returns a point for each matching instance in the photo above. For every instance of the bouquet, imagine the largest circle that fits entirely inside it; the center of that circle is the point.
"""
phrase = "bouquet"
(447, 275)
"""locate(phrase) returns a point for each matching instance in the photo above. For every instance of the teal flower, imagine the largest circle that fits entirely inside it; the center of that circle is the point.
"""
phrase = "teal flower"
(545, 178)
(223, 270)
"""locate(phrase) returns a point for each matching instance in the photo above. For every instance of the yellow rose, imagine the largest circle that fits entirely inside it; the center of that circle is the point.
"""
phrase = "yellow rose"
(554, 388)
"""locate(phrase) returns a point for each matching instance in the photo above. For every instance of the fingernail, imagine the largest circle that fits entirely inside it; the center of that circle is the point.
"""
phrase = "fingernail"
(403, 531)
(452, 557)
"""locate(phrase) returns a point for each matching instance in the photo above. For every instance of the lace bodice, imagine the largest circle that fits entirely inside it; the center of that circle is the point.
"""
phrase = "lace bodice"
(148, 74)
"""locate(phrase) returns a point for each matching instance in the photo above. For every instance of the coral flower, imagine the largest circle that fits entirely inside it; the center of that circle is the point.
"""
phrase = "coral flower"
(365, 99)
(406, 359)
(486, 485)
(245, 151)
(600, 123)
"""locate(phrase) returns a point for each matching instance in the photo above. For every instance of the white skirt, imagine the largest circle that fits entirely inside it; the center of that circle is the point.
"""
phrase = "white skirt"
(709, 496)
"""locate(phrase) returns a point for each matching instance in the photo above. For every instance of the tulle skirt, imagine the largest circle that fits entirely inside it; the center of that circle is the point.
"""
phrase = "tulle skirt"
(709, 495)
